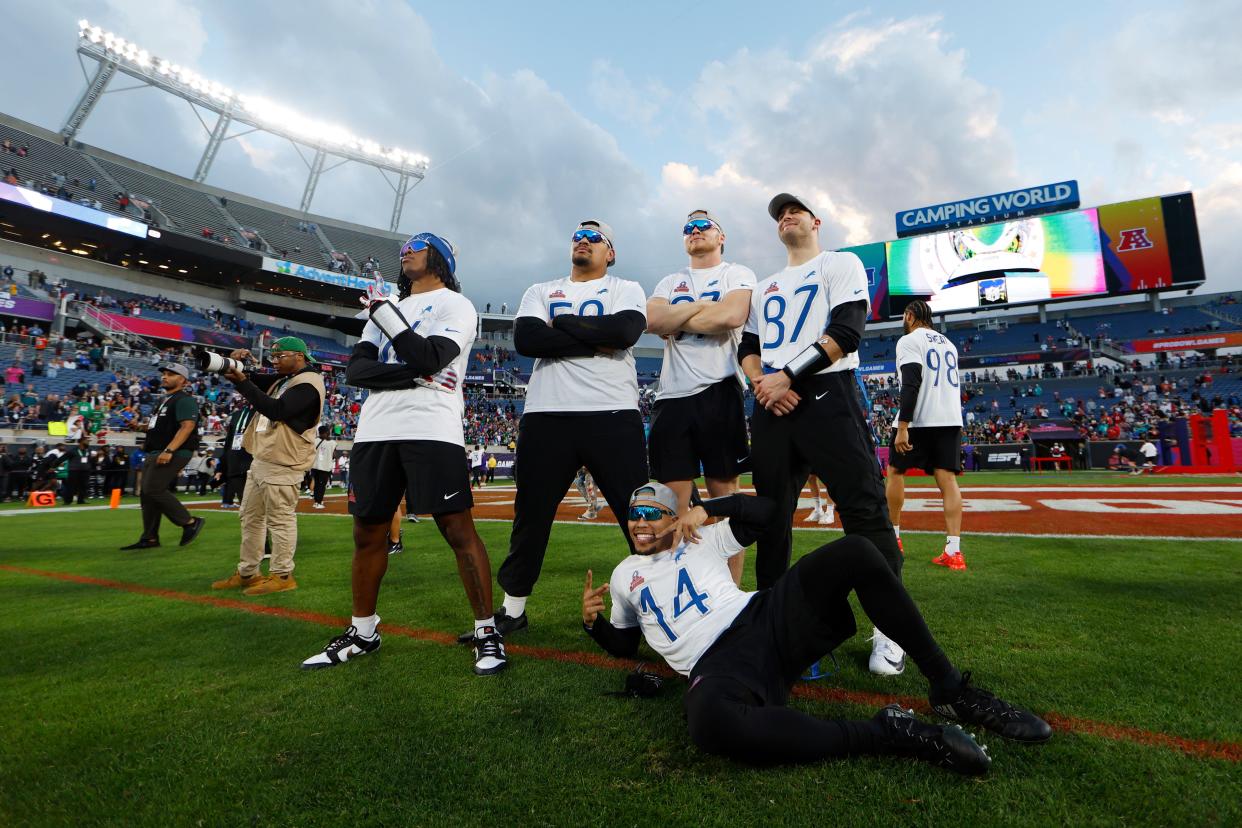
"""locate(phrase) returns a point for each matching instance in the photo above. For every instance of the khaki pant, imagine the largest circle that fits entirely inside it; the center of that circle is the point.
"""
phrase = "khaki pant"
(268, 506)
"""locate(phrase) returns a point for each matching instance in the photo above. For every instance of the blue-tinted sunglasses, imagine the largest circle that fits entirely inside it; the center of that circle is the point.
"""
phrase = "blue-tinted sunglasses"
(414, 246)
(592, 236)
(702, 225)
(648, 513)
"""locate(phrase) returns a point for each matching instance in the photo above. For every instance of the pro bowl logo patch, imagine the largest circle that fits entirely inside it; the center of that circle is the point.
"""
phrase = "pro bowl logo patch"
(557, 294)
(636, 581)
(772, 288)
(682, 288)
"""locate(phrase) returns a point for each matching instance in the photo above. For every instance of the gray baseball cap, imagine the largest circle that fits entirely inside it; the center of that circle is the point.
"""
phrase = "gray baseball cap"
(657, 492)
(605, 230)
(778, 203)
(176, 368)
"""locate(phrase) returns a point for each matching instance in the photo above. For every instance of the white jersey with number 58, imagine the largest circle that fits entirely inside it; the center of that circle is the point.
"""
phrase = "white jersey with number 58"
(940, 396)
(683, 598)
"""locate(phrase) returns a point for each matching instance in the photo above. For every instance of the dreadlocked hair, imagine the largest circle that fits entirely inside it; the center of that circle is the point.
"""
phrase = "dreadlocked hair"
(438, 267)
(921, 311)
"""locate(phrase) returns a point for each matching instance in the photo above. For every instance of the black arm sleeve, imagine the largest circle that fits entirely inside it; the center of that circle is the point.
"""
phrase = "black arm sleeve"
(532, 337)
(749, 346)
(297, 408)
(845, 325)
(622, 643)
(616, 330)
(911, 382)
(748, 515)
(366, 371)
(425, 355)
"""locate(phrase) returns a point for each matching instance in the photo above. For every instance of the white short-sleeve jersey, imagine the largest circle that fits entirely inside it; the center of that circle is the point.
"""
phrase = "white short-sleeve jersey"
(432, 410)
(602, 382)
(940, 395)
(692, 362)
(683, 598)
(790, 309)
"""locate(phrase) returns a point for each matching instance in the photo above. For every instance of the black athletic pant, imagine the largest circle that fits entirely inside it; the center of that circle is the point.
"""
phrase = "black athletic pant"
(75, 486)
(320, 480)
(827, 434)
(735, 703)
(550, 450)
(156, 499)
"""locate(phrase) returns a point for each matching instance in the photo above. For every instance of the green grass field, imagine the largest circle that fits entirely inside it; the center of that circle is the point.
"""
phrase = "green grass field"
(142, 708)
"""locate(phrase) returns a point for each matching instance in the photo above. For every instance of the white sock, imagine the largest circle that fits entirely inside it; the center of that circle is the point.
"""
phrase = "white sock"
(514, 606)
(896, 530)
(953, 545)
(365, 626)
(480, 623)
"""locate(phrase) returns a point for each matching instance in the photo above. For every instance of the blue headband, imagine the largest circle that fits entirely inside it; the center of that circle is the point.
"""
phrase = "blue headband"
(442, 246)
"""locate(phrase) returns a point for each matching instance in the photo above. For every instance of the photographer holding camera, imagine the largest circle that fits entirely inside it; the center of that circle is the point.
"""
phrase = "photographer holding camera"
(281, 439)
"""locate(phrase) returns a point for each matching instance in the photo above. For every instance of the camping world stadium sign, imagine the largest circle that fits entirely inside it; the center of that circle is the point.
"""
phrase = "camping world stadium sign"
(1030, 201)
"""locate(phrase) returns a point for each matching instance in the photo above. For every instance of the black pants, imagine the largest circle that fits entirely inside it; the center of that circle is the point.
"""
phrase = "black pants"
(113, 479)
(75, 486)
(234, 487)
(320, 479)
(735, 705)
(827, 435)
(156, 499)
(19, 483)
(550, 450)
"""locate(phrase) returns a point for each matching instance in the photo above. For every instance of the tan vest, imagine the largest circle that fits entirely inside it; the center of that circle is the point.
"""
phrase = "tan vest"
(278, 449)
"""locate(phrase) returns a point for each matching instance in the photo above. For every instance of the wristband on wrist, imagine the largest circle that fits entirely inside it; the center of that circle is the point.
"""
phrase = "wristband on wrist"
(811, 359)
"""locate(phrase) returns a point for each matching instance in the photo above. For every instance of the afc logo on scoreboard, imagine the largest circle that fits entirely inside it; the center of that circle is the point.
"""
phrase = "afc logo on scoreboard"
(1134, 239)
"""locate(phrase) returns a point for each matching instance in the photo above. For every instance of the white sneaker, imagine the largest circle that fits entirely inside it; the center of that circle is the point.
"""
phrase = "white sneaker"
(588, 515)
(318, 505)
(887, 659)
(826, 518)
(815, 515)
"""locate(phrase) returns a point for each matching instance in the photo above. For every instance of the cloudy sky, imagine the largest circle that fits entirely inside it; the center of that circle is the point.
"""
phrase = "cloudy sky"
(536, 115)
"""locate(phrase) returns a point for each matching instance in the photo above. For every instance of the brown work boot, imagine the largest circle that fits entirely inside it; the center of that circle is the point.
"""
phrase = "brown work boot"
(238, 581)
(272, 583)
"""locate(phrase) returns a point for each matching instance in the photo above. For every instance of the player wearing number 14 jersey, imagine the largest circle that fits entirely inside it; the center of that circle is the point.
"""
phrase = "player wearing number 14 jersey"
(742, 651)
(929, 423)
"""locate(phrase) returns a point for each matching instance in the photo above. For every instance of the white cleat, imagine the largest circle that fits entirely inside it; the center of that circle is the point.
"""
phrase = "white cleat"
(827, 517)
(887, 659)
(815, 515)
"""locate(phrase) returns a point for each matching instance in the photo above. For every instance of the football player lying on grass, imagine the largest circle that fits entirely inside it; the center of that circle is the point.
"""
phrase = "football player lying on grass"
(742, 651)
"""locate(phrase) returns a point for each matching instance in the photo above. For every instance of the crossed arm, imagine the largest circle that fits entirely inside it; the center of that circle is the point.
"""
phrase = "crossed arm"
(577, 336)
(703, 317)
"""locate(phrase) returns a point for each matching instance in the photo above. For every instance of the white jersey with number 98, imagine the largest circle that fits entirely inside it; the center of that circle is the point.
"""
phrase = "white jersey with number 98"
(940, 396)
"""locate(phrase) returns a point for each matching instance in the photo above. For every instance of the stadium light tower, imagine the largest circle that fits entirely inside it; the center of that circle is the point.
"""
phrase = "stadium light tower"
(113, 54)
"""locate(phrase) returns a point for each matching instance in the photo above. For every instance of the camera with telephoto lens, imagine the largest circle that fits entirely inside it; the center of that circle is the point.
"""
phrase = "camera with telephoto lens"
(216, 364)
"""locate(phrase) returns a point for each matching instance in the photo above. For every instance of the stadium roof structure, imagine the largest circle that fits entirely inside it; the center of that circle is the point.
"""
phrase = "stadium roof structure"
(114, 54)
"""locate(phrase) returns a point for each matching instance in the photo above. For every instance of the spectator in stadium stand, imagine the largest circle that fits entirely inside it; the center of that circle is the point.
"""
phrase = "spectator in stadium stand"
(172, 435)
(581, 404)
(281, 440)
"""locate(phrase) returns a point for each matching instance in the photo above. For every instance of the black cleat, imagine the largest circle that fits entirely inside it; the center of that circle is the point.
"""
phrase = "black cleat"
(190, 531)
(504, 625)
(341, 649)
(398, 546)
(945, 745)
(143, 543)
(977, 706)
